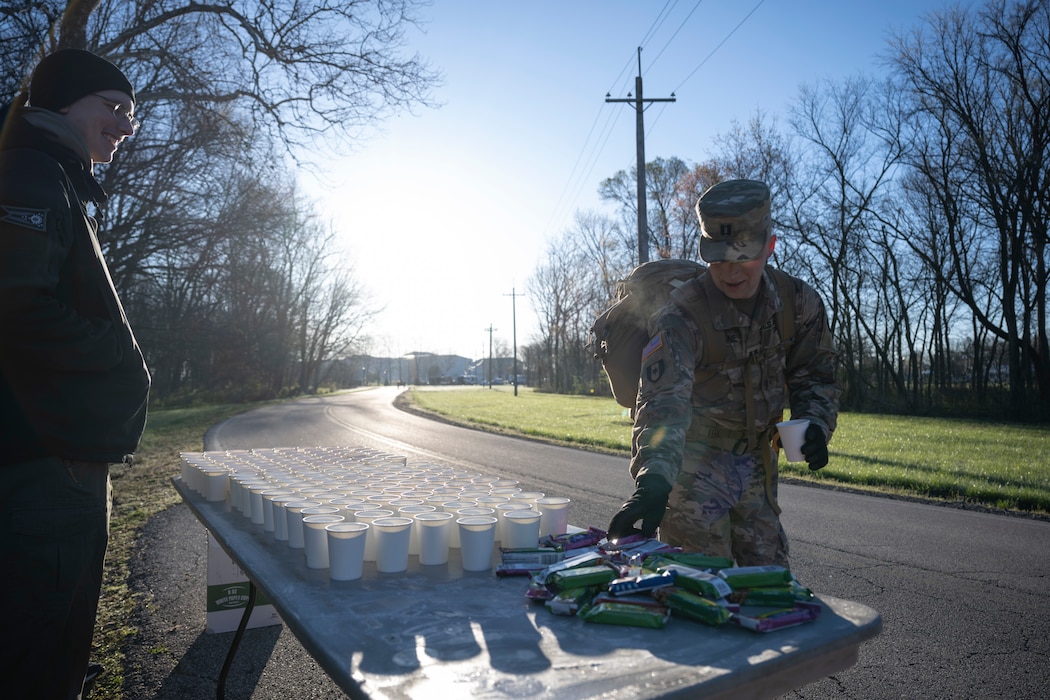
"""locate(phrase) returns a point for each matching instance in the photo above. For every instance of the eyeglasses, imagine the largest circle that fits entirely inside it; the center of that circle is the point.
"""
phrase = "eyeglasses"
(121, 111)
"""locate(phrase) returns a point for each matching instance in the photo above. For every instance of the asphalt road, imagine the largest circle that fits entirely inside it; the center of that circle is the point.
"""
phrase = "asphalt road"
(962, 594)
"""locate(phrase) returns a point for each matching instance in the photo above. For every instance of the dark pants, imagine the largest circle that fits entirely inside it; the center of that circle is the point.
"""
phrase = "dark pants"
(54, 527)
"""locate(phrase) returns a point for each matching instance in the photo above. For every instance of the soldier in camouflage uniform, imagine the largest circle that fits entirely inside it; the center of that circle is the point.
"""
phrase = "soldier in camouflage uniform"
(703, 454)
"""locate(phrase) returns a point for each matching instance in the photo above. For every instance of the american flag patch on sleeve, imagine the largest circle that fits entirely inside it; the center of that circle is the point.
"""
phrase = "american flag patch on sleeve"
(654, 344)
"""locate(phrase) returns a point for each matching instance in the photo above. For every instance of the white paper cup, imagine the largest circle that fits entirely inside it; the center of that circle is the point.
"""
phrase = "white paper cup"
(269, 524)
(280, 516)
(504, 483)
(453, 506)
(347, 506)
(526, 497)
(453, 539)
(792, 435)
(392, 536)
(555, 510)
(501, 512)
(367, 516)
(433, 531)
(217, 483)
(346, 550)
(521, 528)
(293, 513)
(315, 539)
(477, 537)
(410, 512)
(255, 492)
(321, 510)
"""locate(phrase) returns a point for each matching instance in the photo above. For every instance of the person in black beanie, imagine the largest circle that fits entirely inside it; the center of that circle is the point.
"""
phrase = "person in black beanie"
(73, 382)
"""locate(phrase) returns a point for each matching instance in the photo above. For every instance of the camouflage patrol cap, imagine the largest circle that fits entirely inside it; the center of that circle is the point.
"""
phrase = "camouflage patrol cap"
(734, 221)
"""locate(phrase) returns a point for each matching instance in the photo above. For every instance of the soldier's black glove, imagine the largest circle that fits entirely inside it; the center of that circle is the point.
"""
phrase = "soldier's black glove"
(647, 504)
(815, 448)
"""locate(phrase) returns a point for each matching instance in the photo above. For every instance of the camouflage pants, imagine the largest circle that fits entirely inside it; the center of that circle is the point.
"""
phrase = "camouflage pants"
(719, 506)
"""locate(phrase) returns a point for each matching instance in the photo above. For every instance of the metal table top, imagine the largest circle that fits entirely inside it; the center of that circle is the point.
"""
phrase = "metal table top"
(440, 629)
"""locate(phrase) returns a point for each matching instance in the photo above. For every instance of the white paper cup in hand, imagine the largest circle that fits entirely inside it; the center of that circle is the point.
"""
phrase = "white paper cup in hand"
(792, 435)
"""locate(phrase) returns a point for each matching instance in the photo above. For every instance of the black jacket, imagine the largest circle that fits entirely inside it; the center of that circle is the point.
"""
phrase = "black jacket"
(73, 383)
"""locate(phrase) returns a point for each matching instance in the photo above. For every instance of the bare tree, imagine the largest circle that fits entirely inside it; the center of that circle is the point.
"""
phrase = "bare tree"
(981, 127)
(291, 69)
(599, 241)
(757, 150)
(565, 291)
(671, 232)
(227, 91)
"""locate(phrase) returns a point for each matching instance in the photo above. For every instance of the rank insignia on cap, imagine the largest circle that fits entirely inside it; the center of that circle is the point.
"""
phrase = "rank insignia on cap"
(654, 344)
(33, 219)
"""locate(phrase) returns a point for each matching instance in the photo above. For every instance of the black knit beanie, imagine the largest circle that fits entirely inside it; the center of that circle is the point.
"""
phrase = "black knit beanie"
(65, 76)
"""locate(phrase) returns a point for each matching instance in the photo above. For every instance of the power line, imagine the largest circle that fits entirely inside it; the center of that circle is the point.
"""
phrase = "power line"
(720, 44)
(660, 113)
(659, 21)
(681, 25)
(574, 185)
(598, 137)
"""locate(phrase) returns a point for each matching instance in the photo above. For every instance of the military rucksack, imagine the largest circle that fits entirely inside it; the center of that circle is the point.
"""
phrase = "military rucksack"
(621, 331)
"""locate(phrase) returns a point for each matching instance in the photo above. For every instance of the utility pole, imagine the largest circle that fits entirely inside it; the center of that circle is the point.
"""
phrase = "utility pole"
(514, 320)
(639, 108)
(489, 367)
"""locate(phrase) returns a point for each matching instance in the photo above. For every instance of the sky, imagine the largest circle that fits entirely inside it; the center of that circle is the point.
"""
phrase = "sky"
(446, 213)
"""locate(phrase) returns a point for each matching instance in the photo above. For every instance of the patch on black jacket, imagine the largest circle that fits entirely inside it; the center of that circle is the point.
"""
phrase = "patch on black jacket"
(32, 219)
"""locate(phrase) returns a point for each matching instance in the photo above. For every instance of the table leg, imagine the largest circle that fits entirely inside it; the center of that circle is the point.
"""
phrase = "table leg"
(220, 692)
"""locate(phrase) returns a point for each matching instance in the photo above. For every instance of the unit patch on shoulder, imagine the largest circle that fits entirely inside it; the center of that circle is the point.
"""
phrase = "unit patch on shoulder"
(654, 344)
(32, 219)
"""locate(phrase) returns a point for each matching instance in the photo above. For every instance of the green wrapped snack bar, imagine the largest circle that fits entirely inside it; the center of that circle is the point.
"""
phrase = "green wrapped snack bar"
(625, 614)
(582, 577)
(575, 562)
(694, 607)
(778, 596)
(698, 581)
(742, 577)
(569, 601)
(692, 559)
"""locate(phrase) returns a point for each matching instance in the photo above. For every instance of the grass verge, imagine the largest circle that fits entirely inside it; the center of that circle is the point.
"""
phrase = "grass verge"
(990, 465)
(139, 492)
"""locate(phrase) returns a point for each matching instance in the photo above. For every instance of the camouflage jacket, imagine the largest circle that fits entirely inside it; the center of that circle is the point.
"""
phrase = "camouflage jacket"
(682, 397)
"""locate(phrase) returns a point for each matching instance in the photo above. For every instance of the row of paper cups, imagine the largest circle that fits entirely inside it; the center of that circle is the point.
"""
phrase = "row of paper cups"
(336, 503)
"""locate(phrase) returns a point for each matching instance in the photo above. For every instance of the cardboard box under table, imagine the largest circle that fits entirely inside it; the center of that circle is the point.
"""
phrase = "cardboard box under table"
(437, 631)
(228, 595)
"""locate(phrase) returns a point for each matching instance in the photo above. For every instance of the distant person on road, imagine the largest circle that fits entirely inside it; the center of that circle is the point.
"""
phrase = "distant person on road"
(703, 458)
(73, 383)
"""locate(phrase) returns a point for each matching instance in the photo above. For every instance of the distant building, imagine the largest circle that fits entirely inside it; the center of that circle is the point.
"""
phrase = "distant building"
(419, 368)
